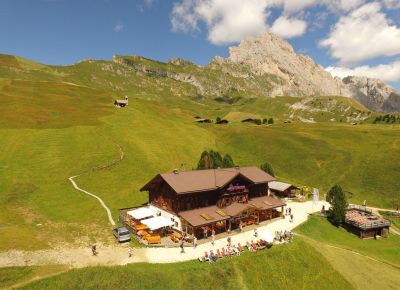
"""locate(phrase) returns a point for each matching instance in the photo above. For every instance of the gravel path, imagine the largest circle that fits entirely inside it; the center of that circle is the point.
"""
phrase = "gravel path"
(118, 254)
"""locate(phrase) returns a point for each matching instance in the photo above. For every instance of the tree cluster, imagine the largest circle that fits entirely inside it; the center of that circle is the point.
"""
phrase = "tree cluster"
(213, 160)
(269, 121)
(388, 119)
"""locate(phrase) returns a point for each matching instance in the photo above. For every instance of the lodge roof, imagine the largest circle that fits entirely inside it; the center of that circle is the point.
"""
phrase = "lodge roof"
(204, 216)
(208, 179)
(121, 101)
(279, 186)
(212, 214)
(266, 202)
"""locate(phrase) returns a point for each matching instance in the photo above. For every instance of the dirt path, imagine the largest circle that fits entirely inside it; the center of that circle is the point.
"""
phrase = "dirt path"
(33, 279)
(118, 254)
(101, 167)
(110, 218)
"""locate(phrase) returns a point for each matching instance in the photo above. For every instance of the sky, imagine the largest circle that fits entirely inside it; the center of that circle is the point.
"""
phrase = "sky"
(347, 37)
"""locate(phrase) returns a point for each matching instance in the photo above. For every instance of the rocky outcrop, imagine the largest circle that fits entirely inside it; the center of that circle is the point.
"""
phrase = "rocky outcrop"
(271, 54)
(267, 66)
(299, 75)
(374, 94)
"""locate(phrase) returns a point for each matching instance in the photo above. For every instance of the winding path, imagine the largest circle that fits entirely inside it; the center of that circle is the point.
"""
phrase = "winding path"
(101, 167)
(110, 218)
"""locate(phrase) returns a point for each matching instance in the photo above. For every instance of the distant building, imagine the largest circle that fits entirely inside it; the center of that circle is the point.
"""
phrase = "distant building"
(283, 189)
(361, 221)
(203, 120)
(121, 103)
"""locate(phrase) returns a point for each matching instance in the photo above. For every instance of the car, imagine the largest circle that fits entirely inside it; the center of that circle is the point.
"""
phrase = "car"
(121, 234)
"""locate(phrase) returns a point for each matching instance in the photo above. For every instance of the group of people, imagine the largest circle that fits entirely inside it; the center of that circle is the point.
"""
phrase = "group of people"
(283, 236)
(288, 212)
(233, 250)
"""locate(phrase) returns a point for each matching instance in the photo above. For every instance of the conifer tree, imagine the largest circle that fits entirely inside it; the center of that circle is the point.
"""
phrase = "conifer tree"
(338, 201)
(267, 168)
(228, 161)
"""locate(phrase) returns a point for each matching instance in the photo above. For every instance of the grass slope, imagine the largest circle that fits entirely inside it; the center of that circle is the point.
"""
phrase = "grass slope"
(43, 143)
(292, 266)
(386, 250)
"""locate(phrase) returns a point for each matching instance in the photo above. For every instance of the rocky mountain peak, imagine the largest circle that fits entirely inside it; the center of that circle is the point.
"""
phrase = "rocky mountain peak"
(372, 93)
(271, 54)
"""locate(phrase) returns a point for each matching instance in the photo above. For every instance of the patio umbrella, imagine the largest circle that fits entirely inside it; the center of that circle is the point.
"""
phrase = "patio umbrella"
(266, 236)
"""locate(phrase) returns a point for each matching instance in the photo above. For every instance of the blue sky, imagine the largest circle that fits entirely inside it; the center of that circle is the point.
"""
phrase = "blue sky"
(348, 36)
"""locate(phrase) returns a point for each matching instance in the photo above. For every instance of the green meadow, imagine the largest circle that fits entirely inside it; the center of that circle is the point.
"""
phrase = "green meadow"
(57, 122)
(293, 266)
(321, 256)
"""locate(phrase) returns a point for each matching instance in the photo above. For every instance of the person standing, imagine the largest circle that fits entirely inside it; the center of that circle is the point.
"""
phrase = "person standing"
(291, 218)
(194, 242)
(240, 227)
(94, 250)
(212, 239)
(130, 251)
(229, 242)
(205, 232)
(290, 210)
(255, 233)
(181, 246)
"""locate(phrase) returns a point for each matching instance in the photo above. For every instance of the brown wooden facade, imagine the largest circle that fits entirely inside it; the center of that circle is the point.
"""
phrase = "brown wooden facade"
(163, 196)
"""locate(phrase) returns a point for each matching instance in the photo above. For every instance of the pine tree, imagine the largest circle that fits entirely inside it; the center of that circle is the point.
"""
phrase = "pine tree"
(202, 161)
(265, 121)
(227, 162)
(218, 120)
(270, 121)
(338, 201)
(267, 168)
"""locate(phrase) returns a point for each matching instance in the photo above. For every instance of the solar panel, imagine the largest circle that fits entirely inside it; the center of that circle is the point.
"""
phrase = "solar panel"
(206, 216)
(220, 212)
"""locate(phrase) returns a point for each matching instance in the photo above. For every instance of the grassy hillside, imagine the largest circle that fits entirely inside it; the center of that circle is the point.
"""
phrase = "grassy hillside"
(287, 267)
(319, 229)
(56, 122)
(366, 264)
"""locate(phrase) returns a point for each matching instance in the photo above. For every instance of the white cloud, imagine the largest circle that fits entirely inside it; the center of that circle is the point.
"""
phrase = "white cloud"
(364, 34)
(230, 21)
(343, 5)
(386, 72)
(119, 27)
(227, 20)
(289, 27)
(391, 4)
(296, 5)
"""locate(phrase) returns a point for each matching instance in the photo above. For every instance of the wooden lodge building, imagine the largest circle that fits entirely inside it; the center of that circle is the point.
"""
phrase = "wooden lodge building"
(362, 222)
(282, 189)
(220, 199)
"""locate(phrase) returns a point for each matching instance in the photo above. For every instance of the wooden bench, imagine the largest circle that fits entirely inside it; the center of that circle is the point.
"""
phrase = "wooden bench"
(140, 227)
(153, 239)
(175, 237)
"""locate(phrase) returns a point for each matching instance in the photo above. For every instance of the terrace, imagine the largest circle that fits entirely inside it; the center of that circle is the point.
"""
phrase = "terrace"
(365, 223)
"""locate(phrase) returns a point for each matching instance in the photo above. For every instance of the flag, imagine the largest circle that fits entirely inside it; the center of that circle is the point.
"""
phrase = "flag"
(315, 196)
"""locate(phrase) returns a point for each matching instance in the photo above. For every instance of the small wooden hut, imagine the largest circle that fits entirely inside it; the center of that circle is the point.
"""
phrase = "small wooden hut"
(121, 103)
